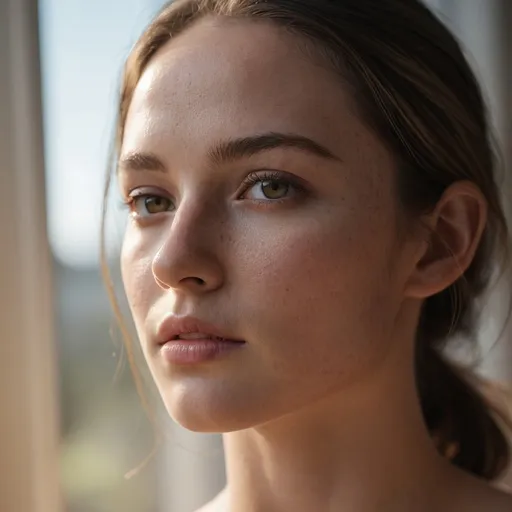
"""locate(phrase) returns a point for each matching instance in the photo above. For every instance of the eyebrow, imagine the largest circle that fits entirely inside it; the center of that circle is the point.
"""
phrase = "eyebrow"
(247, 146)
(234, 149)
(137, 161)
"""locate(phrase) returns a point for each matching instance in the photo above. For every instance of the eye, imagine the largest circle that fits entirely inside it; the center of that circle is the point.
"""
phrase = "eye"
(145, 205)
(269, 187)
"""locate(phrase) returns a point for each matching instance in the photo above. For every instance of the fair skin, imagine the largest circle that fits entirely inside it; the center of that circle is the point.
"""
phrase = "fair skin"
(322, 280)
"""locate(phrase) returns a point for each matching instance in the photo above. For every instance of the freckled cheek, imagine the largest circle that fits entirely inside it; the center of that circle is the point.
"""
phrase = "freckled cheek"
(300, 264)
(318, 283)
(140, 286)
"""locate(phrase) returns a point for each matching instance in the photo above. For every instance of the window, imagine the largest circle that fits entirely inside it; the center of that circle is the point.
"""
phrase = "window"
(104, 431)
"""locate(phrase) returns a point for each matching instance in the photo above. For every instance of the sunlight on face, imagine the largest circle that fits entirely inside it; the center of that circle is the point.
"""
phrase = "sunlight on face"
(262, 205)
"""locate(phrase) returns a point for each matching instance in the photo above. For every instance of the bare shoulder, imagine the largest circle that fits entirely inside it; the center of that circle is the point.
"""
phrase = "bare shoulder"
(218, 504)
(474, 496)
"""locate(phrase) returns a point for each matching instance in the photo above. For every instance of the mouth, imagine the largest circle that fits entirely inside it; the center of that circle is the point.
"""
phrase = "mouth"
(187, 340)
(174, 328)
(195, 336)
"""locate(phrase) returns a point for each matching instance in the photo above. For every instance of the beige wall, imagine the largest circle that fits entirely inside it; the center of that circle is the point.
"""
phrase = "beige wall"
(28, 423)
(484, 27)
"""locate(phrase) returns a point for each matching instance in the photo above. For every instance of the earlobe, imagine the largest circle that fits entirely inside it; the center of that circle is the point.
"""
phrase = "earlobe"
(453, 232)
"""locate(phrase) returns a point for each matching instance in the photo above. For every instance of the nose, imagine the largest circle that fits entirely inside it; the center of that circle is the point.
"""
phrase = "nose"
(188, 259)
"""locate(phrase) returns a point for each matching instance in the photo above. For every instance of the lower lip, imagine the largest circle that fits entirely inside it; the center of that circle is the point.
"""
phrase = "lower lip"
(196, 351)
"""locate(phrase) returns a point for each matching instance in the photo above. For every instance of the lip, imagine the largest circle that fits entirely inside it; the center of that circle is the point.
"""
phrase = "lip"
(196, 351)
(217, 341)
(173, 326)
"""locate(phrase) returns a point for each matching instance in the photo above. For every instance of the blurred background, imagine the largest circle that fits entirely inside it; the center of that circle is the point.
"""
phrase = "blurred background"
(105, 432)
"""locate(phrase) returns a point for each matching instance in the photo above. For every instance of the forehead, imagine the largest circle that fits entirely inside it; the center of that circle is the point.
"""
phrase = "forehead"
(233, 78)
(251, 72)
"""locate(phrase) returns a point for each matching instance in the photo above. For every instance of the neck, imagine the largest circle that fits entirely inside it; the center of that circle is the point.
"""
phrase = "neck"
(362, 450)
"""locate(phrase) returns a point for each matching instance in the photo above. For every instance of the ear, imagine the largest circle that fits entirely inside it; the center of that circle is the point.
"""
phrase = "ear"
(452, 234)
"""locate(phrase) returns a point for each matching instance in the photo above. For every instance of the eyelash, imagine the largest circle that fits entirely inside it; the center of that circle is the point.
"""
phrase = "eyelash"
(281, 178)
(250, 180)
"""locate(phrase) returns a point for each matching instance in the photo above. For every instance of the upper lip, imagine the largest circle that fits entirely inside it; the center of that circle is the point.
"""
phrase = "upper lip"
(173, 326)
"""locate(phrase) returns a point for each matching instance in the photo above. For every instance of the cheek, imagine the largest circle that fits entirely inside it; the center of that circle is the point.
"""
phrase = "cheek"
(320, 294)
(139, 285)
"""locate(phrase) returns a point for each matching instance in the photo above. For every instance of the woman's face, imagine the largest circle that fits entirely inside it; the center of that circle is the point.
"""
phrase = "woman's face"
(290, 245)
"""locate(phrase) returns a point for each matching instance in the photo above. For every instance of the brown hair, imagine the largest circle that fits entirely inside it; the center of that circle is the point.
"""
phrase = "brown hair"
(412, 85)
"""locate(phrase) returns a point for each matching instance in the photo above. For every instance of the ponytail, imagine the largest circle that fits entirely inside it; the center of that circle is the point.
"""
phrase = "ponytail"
(462, 421)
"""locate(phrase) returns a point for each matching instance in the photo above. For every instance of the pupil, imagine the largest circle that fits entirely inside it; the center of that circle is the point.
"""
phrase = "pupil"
(274, 189)
(154, 204)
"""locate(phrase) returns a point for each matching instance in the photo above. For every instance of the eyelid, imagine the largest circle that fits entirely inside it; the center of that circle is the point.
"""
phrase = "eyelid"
(262, 175)
(138, 193)
(147, 190)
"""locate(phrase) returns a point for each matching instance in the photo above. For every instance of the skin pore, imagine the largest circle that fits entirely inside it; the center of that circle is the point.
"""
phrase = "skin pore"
(302, 250)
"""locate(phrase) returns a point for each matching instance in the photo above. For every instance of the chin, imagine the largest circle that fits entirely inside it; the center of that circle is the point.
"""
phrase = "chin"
(207, 420)
(214, 411)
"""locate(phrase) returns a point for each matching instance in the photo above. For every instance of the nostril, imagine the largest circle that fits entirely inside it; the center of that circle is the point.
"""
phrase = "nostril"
(195, 280)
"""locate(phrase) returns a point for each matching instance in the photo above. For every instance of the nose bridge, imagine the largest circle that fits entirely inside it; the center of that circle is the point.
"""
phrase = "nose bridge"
(189, 251)
(195, 224)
